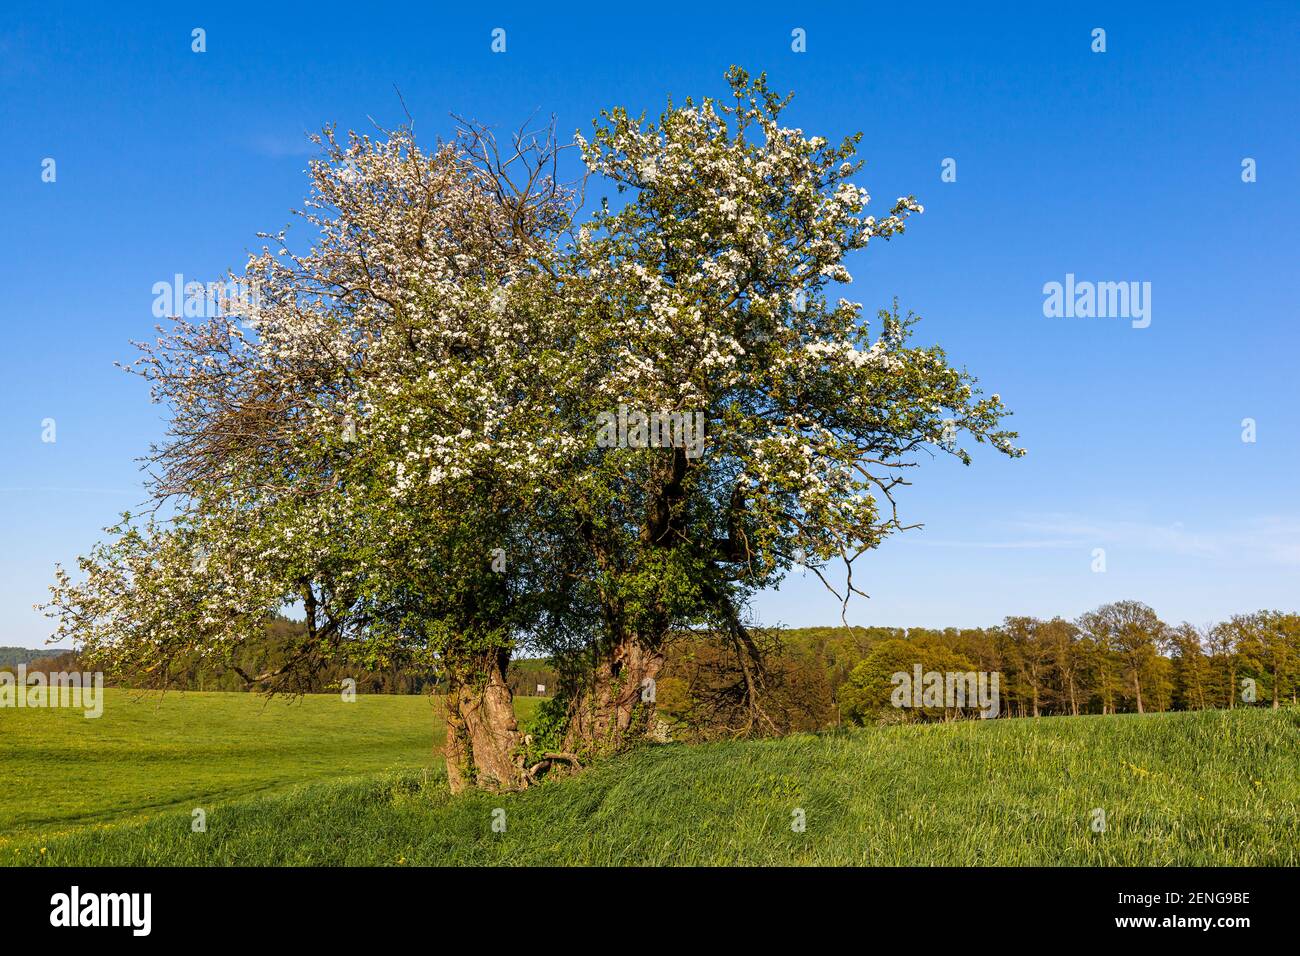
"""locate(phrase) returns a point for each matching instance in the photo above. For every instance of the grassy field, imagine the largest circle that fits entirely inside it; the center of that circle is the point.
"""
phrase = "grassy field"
(150, 753)
(1215, 788)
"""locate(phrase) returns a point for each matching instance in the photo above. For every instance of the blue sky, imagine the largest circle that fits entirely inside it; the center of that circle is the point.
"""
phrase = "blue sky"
(1115, 166)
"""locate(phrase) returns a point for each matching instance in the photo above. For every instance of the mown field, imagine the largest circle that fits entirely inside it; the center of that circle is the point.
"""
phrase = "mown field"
(150, 753)
(316, 782)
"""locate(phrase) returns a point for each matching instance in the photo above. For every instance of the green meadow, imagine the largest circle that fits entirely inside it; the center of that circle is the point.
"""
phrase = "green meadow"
(316, 781)
(151, 752)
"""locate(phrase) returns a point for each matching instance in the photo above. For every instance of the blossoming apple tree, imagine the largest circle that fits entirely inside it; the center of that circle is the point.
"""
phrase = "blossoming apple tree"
(711, 290)
(401, 437)
(362, 444)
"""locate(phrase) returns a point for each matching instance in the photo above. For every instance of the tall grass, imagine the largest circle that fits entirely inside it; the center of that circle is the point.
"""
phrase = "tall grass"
(1214, 788)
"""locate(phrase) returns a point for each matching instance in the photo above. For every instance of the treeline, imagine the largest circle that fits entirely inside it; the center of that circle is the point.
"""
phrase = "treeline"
(282, 639)
(1119, 658)
(13, 656)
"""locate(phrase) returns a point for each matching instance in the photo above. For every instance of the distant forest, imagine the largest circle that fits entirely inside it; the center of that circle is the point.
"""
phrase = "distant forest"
(283, 639)
(1118, 658)
(13, 656)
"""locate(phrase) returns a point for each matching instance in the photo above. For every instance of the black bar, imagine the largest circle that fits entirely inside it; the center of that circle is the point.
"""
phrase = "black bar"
(946, 905)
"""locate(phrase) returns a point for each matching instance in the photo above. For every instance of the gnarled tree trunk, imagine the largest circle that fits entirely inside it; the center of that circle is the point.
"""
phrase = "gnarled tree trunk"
(482, 733)
(612, 705)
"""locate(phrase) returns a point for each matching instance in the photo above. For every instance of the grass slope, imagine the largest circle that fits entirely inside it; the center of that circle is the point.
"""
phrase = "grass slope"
(1216, 788)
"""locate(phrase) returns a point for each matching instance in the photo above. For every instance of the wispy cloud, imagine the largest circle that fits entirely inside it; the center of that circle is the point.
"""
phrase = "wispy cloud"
(1018, 545)
(1172, 538)
(1272, 539)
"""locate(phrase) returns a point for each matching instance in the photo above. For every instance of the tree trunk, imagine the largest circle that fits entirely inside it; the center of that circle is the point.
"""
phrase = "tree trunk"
(1137, 689)
(482, 734)
(612, 706)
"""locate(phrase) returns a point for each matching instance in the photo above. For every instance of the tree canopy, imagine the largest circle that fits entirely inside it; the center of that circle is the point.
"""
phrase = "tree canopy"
(407, 437)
